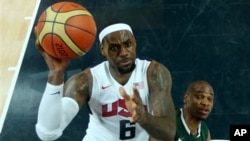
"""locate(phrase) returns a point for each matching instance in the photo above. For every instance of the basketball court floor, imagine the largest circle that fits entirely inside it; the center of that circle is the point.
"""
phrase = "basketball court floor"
(17, 18)
(195, 39)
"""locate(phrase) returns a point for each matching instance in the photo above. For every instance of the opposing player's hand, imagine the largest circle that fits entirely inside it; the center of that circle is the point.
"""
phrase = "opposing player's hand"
(54, 64)
(134, 105)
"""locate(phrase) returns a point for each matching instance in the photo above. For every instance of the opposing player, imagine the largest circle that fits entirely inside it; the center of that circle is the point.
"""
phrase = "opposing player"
(129, 98)
(198, 103)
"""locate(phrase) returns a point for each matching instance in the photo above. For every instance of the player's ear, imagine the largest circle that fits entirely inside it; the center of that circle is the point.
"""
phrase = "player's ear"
(134, 41)
(185, 98)
(102, 49)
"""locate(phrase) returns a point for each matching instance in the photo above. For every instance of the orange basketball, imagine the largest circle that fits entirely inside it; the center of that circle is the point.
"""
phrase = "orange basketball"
(66, 30)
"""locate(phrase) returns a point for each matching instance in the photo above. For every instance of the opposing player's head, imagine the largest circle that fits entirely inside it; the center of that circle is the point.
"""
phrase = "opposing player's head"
(118, 45)
(198, 99)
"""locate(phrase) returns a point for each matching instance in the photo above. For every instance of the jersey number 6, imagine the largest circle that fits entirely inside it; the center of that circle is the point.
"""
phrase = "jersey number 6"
(127, 130)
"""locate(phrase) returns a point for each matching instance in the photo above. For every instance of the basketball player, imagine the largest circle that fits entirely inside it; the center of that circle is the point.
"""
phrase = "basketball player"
(198, 103)
(129, 98)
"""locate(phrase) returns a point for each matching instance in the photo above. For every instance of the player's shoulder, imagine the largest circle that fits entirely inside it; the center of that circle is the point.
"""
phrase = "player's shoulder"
(158, 72)
(83, 76)
(157, 66)
(98, 66)
(204, 126)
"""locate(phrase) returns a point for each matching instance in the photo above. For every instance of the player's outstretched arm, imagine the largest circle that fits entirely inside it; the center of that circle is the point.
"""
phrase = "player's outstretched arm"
(161, 123)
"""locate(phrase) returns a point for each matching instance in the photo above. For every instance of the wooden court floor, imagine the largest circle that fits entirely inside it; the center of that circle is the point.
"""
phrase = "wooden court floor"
(16, 20)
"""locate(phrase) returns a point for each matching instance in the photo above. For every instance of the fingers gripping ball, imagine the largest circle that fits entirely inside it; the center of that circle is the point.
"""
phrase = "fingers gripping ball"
(66, 30)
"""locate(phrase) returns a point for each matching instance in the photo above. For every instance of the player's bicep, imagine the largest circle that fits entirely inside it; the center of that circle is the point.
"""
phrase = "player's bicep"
(78, 87)
(160, 83)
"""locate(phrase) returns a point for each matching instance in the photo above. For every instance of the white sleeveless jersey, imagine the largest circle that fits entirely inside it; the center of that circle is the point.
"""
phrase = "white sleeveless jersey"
(109, 118)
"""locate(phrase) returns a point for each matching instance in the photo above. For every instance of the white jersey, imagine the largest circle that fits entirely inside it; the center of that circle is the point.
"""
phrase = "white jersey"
(109, 118)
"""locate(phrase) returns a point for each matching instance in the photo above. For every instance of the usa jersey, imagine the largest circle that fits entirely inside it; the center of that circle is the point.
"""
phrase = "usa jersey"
(109, 118)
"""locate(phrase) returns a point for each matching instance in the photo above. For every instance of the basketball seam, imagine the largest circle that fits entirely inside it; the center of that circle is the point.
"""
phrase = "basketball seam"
(54, 22)
(69, 47)
(54, 49)
(70, 26)
(81, 28)
(58, 10)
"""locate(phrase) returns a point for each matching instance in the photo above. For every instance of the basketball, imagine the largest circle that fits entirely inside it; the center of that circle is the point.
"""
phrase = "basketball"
(66, 30)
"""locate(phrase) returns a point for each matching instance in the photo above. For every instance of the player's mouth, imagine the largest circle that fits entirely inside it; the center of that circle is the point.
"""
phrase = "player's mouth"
(204, 111)
(125, 62)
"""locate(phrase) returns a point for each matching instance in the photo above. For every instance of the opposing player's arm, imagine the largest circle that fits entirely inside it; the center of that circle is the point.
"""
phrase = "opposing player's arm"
(79, 87)
(160, 126)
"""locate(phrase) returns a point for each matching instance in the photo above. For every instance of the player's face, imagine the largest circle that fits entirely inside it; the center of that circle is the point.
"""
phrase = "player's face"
(199, 102)
(120, 50)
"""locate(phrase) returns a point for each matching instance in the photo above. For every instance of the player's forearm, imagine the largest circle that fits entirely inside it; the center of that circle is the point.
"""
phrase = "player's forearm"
(55, 112)
(159, 128)
(50, 113)
(56, 77)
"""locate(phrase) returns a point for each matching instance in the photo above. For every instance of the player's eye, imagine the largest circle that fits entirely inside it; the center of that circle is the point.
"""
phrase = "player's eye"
(211, 99)
(128, 43)
(113, 47)
(199, 97)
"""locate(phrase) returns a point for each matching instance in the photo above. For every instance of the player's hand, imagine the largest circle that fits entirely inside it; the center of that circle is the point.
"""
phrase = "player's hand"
(54, 64)
(134, 105)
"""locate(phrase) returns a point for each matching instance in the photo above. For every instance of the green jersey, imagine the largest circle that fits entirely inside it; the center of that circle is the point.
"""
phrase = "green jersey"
(183, 133)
